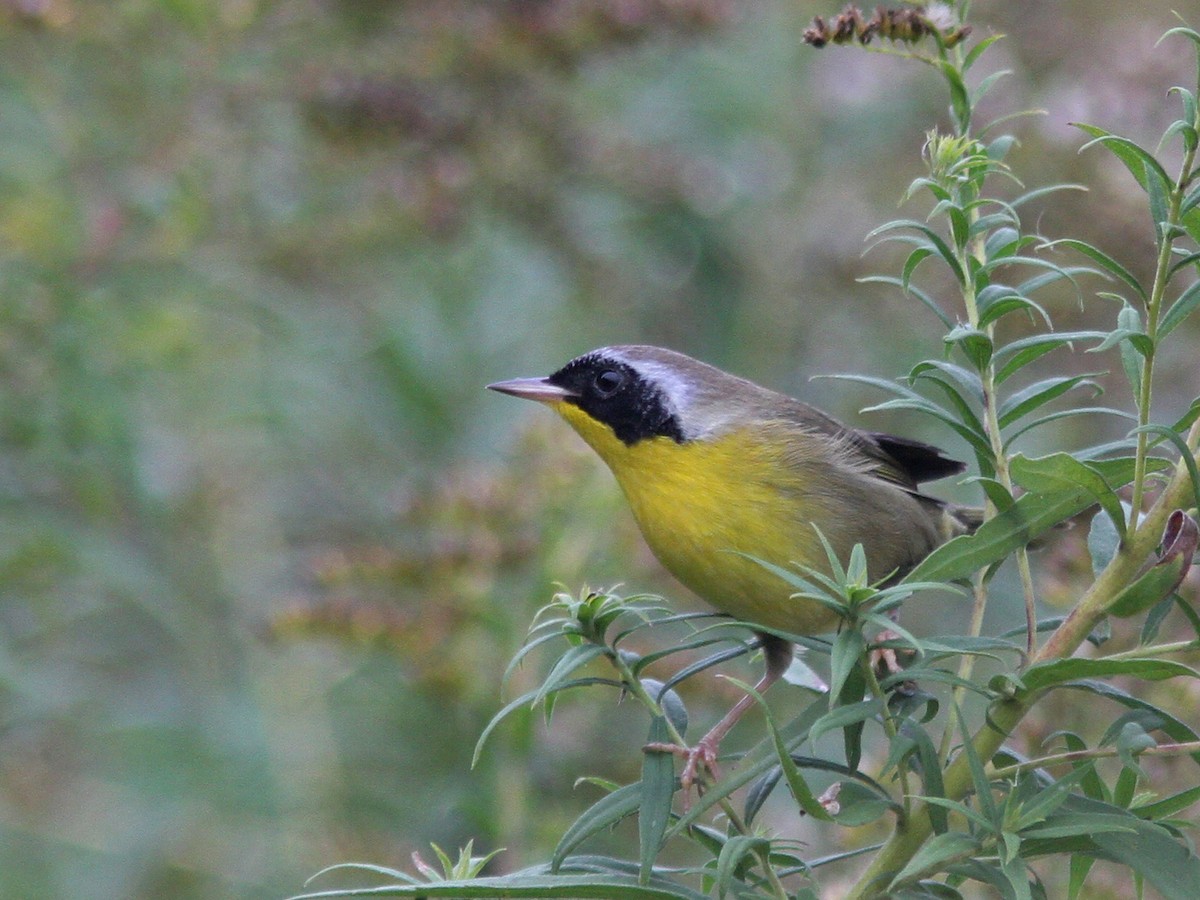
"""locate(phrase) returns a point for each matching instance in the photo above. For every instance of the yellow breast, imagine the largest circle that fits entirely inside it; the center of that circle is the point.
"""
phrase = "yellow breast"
(702, 504)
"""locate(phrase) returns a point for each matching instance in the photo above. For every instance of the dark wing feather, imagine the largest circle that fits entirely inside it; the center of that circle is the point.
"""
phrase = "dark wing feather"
(920, 462)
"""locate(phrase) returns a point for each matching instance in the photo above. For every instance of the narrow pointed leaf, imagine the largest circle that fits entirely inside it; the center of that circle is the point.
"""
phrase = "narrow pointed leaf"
(1059, 671)
(1141, 163)
(1106, 262)
(1039, 394)
(654, 801)
(912, 291)
(848, 648)
(520, 885)
(939, 851)
(600, 816)
(845, 716)
(1028, 517)
(736, 851)
(1180, 309)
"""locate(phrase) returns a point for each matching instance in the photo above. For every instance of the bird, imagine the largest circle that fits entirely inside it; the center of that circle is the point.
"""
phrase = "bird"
(722, 474)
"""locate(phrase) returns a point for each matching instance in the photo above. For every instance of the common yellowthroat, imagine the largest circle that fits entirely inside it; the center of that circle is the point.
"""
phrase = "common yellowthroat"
(712, 463)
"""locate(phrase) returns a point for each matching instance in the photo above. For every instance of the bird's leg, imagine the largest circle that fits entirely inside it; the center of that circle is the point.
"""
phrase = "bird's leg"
(885, 661)
(703, 754)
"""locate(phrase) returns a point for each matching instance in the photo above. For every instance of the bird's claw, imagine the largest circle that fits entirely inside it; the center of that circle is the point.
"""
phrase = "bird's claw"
(697, 759)
(886, 661)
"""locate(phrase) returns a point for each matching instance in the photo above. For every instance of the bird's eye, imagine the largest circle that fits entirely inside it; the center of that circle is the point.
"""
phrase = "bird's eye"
(608, 382)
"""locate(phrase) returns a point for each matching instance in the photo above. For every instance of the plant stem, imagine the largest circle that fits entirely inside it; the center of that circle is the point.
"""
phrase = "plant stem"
(1156, 650)
(1190, 747)
(1167, 232)
(966, 665)
(889, 726)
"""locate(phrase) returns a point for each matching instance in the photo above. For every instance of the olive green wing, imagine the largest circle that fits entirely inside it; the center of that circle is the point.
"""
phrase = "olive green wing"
(900, 460)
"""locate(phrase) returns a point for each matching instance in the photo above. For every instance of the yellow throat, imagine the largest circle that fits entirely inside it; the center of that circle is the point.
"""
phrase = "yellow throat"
(702, 504)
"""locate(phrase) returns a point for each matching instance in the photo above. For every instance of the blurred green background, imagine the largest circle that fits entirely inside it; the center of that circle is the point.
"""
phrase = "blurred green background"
(266, 545)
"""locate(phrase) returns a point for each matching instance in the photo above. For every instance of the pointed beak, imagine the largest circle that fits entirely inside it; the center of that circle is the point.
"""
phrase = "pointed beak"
(539, 389)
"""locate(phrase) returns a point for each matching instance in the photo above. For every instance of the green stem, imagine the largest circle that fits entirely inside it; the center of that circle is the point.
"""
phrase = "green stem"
(1057, 759)
(1156, 650)
(966, 665)
(1162, 271)
(889, 726)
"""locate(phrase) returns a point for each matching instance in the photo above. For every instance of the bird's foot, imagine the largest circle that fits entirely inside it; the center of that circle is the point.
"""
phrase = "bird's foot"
(886, 661)
(700, 758)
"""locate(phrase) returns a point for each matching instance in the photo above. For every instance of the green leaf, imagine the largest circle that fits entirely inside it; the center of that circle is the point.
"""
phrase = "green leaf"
(935, 855)
(910, 265)
(1074, 411)
(1129, 321)
(1148, 849)
(848, 648)
(1039, 192)
(1156, 189)
(1080, 824)
(1191, 201)
(1063, 472)
(1025, 401)
(995, 304)
(976, 344)
(737, 851)
(600, 816)
(1180, 309)
(753, 765)
(521, 885)
(1185, 453)
(1153, 853)
(1174, 728)
(573, 659)
(530, 698)
(930, 770)
(995, 149)
(848, 715)
(1168, 806)
(658, 787)
(1043, 804)
(669, 702)
(1056, 672)
(933, 241)
(1028, 517)
(1142, 165)
(978, 50)
(914, 292)
(860, 806)
(1104, 539)
(979, 779)
(1004, 241)
(951, 378)
(1026, 350)
(977, 440)
(960, 99)
(1106, 262)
